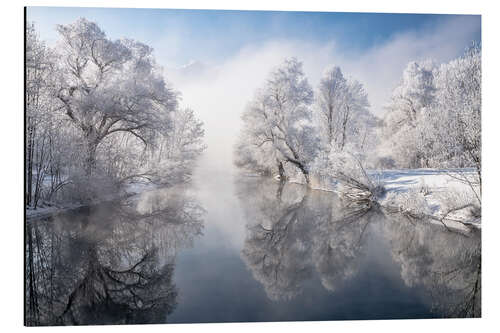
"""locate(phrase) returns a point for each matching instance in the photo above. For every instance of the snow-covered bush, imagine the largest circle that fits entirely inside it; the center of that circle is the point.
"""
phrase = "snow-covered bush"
(424, 188)
(348, 174)
(458, 205)
(411, 202)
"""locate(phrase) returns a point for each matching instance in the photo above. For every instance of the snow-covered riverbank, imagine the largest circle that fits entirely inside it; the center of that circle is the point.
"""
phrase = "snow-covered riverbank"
(437, 193)
(442, 195)
(54, 209)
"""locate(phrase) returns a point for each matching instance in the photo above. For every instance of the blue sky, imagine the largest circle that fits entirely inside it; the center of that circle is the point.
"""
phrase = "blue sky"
(214, 35)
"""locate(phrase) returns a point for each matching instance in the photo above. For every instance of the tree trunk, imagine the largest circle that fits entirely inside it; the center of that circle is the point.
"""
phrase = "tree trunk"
(478, 170)
(281, 171)
(344, 128)
(279, 192)
(40, 170)
(304, 171)
(306, 176)
(29, 164)
(330, 124)
(90, 162)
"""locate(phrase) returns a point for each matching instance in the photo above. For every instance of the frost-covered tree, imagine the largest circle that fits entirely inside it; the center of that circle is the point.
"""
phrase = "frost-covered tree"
(415, 92)
(37, 72)
(100, 114)
(346, 129)
(434, 118)
(455, 117)
(46, 133)
(109, 86)
(169, 158)
(342, 112)
(278, 134)
(180, 147)
(35, 52)
(401, 135)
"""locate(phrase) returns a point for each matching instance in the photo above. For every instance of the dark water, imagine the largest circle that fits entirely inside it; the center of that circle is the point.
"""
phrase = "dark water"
(246, 249)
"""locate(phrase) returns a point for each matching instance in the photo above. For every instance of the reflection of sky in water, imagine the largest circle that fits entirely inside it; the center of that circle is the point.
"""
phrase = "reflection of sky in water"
(221, 288)
(265, 253)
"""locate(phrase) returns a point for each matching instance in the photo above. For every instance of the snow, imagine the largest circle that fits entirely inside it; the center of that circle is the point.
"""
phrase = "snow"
(404, 179)
(429, 192)
(46, 211)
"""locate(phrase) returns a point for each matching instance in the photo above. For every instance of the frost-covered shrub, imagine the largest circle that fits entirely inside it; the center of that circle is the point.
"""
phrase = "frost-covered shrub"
(459, 205)
(83, 189)
(411, 202)
(424, 188)
(348, 174)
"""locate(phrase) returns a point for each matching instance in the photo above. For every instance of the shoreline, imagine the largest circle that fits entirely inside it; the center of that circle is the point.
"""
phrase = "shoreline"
(418, 193)
(52, 211)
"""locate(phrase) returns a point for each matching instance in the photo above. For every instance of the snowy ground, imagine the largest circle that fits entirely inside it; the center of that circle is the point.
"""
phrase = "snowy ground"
(437, 179)
(430, 191)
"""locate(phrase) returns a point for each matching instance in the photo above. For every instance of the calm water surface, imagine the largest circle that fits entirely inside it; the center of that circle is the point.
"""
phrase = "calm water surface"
(229, 249)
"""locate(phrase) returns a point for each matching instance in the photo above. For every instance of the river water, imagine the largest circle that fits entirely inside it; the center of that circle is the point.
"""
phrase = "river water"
(230, 248)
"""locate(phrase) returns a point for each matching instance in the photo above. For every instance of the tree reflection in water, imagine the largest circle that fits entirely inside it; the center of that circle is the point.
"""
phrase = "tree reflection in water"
(446, 264)
(294, 234)
(109, 264)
